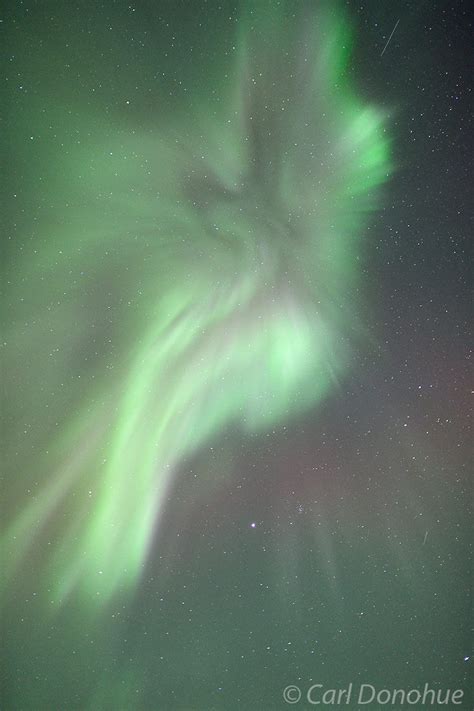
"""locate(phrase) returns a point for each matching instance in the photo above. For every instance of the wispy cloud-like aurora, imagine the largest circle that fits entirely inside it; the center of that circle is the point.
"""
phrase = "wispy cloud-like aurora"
(205, 272)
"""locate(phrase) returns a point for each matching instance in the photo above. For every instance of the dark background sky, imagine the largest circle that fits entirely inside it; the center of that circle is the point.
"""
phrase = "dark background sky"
(357, 568)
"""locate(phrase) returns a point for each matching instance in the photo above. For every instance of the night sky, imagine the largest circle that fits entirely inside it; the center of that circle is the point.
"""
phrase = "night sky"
(235, 347)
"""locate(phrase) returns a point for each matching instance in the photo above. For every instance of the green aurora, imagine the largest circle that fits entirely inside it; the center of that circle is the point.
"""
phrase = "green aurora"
(208, 269)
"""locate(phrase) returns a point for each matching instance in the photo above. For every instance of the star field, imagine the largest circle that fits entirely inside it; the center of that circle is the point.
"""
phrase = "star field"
(236, 350)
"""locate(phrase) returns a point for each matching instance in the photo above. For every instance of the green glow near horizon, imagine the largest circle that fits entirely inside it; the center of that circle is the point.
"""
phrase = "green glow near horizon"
(208, 271)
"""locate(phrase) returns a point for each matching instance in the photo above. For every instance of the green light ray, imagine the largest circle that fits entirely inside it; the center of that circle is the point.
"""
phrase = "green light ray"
(207, 271)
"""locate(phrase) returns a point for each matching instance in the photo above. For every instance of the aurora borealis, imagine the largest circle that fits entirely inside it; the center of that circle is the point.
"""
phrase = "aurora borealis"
(207, 477)
(245, 282)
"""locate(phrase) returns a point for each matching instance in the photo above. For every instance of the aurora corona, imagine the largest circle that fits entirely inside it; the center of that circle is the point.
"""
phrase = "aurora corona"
(208, 269)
